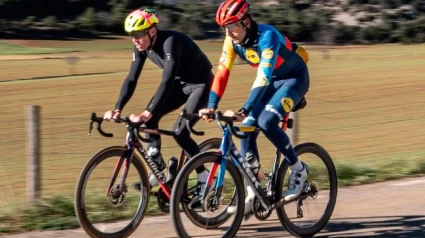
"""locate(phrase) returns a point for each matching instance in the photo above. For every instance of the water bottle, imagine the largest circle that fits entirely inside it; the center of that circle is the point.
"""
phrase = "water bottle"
(152, 180)
(172, 169)
(154, 155)
(254, 165)
(155, 160)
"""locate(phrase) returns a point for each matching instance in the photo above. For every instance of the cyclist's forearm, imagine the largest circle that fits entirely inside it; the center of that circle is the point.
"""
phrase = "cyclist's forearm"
(126, 93)
(173, 55)
(167, 83)
(213, 101)
(218, 86)
(130, 82)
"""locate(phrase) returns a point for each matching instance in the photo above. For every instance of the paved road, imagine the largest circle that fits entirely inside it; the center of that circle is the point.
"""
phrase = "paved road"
(389, 209)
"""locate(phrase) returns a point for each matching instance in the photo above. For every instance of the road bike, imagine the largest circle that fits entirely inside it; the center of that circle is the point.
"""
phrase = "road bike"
(104, 204)
(303, 216)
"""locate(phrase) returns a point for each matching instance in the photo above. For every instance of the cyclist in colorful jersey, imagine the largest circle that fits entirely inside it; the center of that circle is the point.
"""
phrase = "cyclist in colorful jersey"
(282, 81)
(181, 83)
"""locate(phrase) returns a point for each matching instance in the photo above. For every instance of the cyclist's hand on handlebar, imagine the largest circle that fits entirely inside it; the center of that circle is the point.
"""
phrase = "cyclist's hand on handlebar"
(230, 113)
(135, 118)
(145, 116)
(112, 115)
(204, 112)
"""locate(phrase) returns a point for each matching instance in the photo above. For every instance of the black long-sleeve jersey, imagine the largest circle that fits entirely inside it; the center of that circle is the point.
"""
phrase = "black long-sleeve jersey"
(178, 56)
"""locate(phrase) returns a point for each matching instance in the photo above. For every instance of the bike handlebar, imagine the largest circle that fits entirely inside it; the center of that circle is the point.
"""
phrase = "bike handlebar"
(130, 124)
(98, 120)
(189, 117)
(218, 116)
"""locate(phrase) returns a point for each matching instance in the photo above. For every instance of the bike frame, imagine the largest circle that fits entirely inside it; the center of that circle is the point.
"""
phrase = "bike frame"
(229, 150)
(133, 142)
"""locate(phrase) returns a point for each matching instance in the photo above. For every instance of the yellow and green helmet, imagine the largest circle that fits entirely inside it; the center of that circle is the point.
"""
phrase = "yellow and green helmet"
(140, 19)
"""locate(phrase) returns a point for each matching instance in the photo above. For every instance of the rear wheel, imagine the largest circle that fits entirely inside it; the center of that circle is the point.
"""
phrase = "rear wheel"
(308, 215)
(119, 212)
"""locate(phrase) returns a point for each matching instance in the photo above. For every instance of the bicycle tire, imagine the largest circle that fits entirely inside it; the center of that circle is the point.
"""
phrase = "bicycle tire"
(208, 144)
(320, 152)
(212, 143)
(79, 208)
(176, 196)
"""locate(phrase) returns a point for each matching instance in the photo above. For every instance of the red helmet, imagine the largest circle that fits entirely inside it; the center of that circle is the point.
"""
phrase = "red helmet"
(231, 11)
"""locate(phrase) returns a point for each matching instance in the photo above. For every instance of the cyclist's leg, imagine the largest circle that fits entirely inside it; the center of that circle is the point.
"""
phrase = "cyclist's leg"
(197, 97)
(288, 95)
(250, 145)
(174, 101)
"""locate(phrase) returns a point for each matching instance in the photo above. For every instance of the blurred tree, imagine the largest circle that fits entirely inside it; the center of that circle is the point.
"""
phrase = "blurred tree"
(300, 20)
(50, 21)
(345, 34)
(87, 21)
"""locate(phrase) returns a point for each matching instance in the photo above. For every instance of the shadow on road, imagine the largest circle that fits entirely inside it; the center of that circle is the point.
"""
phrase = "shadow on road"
(384, 226)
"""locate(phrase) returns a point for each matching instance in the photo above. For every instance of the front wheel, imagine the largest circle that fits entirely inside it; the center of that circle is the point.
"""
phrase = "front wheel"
(212, 144)
(103, 209)
(214, 208)
(308, 215)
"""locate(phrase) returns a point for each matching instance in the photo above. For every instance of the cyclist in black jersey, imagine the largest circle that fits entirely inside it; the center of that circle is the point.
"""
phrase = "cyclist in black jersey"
(186, 80)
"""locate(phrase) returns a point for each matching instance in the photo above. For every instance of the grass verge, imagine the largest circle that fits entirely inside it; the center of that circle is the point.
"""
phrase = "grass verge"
(11, 49)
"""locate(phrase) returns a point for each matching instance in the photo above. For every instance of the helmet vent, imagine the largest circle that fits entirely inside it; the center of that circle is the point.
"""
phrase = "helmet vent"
(238, 8)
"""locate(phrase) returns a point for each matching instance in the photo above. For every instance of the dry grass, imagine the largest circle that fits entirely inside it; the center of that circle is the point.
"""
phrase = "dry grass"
(365, 106)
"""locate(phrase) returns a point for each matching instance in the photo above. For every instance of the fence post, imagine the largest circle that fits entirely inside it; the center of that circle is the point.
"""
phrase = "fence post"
(293, 133)
(32, 125)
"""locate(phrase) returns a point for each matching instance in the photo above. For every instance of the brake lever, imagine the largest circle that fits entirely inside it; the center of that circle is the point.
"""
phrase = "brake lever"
(93, 118)
(90, 127)
(99, 121)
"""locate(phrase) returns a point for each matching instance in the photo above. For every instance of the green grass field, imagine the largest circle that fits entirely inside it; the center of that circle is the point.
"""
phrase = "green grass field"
(365, 106)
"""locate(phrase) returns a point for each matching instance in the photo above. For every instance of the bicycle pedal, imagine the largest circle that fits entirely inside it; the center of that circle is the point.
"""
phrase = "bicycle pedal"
(247, 216)
(186, 200)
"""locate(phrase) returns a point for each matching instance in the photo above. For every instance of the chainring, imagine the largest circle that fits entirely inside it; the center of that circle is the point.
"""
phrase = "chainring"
(259, 211)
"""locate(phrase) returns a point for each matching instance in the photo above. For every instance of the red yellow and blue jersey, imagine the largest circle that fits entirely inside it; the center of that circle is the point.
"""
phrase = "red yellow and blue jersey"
(272, 54)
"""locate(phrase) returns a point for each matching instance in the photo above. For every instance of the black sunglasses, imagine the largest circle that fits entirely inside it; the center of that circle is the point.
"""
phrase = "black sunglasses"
(138, 34)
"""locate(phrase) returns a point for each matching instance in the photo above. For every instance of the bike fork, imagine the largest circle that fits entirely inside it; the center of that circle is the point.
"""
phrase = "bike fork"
(127, 158)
